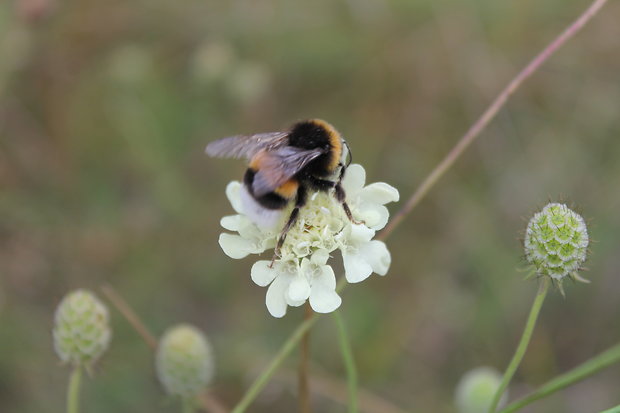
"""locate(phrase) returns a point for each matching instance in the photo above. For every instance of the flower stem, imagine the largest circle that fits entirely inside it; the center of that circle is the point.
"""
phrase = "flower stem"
(584, 370)
(262, 380)
(304, 350)
(73, 392)
(349, 361)
(612, 410)
(525, 340)
(125, 309)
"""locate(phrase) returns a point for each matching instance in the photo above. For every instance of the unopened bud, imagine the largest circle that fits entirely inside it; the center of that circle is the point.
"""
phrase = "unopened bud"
(184, 361)
(476, 389)
(556, 242)
(81, 331)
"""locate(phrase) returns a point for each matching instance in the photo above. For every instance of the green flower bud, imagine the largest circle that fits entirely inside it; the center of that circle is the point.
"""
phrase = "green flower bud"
(476, 389)
(184, 361)
(81, 331)
(556, 241)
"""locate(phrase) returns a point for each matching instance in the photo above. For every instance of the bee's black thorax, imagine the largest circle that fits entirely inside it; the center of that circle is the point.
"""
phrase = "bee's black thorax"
(309, 134)
(316, 133)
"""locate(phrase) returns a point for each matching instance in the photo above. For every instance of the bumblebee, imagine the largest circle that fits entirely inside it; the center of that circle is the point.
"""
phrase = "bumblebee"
(284, 167)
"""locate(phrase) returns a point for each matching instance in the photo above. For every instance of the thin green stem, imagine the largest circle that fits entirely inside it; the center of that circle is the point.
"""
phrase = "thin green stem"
(73, 392)
(525, 340)
(304, 361)
(584, 370)
(612, 410)
(349, 361)
(262, 380)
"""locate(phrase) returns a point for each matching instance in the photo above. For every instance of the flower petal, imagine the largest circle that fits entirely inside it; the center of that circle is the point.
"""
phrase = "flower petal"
(231, 222)
(237, 247)
(354, 180)
(323, 297)
(375, 216)
(360, 233)
(274, 299)
(377, 255)
(262, 274)
(233, 195)
(299, 290)
(380, 193)
(319, 257)
(356, 269)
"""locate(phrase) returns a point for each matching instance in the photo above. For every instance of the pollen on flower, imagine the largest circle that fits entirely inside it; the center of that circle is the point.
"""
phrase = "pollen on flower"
(302, 273)
(320, 222)
(556, 242)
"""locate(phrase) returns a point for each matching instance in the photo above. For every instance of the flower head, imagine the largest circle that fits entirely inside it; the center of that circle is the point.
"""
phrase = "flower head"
(556, 242)
(184, 361)
(476, 390)
(302, 271)
(81, 331)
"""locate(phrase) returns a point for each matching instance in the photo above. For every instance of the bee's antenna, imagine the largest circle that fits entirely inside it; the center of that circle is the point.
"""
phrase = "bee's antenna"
(349, 154)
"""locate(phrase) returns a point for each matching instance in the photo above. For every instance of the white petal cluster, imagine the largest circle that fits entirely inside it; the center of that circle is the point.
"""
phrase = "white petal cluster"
(302, 273)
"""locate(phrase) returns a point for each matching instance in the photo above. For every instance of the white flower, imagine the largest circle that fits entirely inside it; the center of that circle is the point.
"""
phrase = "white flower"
(302, 272)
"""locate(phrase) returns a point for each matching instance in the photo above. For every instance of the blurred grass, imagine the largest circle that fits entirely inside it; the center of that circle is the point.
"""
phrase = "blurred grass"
(105, 109)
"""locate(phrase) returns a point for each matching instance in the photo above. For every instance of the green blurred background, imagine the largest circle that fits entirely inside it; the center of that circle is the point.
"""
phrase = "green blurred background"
(105, 108)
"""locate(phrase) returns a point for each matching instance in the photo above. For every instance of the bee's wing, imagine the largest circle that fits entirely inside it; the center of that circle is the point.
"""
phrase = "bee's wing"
(246, 146)
(277, 167)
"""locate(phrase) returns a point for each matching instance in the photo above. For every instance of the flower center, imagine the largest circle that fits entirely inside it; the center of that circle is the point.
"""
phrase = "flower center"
(319, 226)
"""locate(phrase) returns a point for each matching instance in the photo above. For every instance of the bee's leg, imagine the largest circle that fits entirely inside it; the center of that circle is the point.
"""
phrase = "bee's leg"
(342, 198)
(323, 185)
(300, 201)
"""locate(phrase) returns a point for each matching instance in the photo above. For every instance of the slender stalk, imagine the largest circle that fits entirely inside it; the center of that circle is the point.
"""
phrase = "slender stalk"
(612, 410)
(130, 315)
(525, 340)
(261, 381)
(304, 353)
(583, 371)
(73, 392)
(488, 115)
(428, 183)
(349, 361)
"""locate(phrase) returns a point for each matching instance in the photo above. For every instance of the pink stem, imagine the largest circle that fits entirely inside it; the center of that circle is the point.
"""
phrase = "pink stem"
(488, 115)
